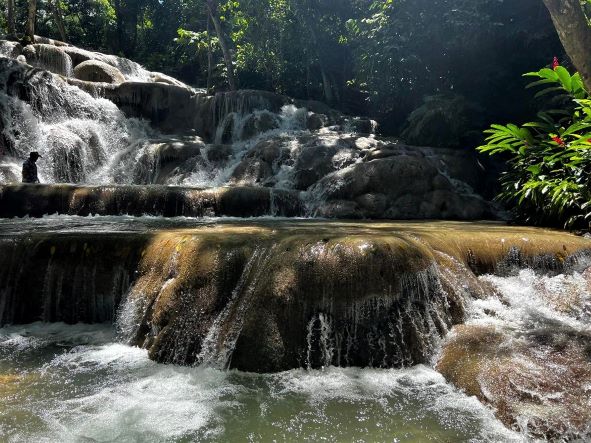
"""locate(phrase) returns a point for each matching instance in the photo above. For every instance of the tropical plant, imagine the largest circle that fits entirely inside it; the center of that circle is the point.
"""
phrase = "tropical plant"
(549, 160)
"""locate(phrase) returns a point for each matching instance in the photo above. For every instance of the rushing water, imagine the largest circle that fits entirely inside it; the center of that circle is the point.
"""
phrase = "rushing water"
(77, 383)
(84, 383)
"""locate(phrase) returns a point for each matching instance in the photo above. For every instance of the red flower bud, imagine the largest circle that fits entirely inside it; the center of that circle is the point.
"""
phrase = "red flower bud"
(555, 63)
(558, 140)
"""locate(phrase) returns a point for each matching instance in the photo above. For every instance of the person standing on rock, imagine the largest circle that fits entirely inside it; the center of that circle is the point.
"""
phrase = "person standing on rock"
(30, 168)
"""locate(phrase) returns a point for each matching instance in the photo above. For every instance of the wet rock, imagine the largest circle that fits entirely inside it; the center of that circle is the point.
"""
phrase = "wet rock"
(78, 55)
(316, 121)
(361, 125)
(219, 153)
(318, 156)
(97, 71)
(10, 49)
(158, 77)
(271, 296)
(537, 384)
(409, 185)
(259, 123)
(166, 160)
(262, 163)
(38, 200)
(170, 108)
(50, 41)
(48, 57)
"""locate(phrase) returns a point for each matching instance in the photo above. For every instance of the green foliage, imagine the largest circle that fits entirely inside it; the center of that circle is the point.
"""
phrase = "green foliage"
(365, 57)
(549, 159)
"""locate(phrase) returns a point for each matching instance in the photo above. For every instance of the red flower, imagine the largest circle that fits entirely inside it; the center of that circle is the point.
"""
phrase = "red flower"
(558, 140)
(555, 63)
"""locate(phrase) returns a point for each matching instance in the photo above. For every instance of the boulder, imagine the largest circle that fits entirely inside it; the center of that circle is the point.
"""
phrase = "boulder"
(97, 71)
(50, 41)
(219, 153)
(445, 120)
(158, 77)
(259, 123)
(321, 156)
(48, 57)
(78, 55)
(171, 109)
(10, 49)
(261, 164)
(537, 382)
(361, 125)
(398, 187)
(316, 121)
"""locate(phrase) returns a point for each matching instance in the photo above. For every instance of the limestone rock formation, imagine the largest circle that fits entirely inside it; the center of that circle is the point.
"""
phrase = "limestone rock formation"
(38, 200)
(10, 49)
(520, 376)
(97, 71)
(245, 138)
(48, 57)
(269, 296)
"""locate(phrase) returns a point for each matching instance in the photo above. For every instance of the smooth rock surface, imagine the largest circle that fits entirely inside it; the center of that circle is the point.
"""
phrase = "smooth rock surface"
(97, 71)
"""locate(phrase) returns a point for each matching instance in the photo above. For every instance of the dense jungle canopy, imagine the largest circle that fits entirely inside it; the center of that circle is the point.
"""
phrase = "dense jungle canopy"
(382, 58)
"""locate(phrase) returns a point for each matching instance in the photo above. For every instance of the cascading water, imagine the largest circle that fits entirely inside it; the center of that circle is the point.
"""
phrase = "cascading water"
(80, 137)
(352, 318)
(525, 350)
(219, 343)
(246, 138)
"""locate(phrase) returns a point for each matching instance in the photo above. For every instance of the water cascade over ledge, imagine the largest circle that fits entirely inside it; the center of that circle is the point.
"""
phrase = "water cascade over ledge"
(178, 235)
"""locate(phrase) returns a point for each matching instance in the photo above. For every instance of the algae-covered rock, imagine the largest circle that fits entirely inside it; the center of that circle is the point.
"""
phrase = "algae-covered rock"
(538, 384)
(276, 295)
(38, 200)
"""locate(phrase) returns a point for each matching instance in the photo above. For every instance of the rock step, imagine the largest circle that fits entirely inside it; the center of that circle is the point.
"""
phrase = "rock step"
(36, 200)
(269, 296)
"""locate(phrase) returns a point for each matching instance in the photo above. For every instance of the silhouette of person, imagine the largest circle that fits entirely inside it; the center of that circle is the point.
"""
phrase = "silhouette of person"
(30, 168)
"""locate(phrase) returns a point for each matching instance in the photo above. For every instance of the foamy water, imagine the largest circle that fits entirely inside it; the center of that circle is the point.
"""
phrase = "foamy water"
(76, 383)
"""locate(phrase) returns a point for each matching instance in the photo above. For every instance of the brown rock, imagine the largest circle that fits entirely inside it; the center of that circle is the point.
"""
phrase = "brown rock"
(97, 71)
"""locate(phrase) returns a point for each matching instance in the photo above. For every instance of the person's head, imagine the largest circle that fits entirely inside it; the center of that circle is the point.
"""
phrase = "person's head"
(34, 156)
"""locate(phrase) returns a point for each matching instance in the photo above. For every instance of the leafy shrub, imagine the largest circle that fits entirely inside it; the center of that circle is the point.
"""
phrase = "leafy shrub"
(549, 160)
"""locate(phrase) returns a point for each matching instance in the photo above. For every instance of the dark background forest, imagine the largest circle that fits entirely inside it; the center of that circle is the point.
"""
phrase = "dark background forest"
(434, 71)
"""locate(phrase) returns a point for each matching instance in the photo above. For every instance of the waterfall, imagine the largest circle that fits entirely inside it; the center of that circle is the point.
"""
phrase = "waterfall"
(384, 331)
(81, 138)
(219, 343)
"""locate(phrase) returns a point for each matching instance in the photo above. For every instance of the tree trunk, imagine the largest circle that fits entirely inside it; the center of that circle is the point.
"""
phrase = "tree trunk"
(575, 34)
(209, 55)
(58, 18)
(11, 20)
(119, 26)
(31, 17)
(213, 14)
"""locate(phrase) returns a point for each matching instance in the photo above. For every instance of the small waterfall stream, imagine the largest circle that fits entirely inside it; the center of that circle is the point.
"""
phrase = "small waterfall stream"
(220, 342)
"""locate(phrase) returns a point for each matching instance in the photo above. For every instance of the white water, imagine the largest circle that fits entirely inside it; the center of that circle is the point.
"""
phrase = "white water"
(81, 138)
(75, 383)
(88, 140)
(528, 301)
(537, 362)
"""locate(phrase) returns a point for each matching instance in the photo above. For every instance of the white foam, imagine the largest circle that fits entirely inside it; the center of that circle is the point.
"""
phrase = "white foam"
(105, 391)
(529, 300)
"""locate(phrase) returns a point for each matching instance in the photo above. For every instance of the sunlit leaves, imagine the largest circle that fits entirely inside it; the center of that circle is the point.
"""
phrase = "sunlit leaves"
(549, 159)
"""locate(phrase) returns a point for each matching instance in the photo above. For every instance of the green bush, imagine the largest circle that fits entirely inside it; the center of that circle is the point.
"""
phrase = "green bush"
(549, 160)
